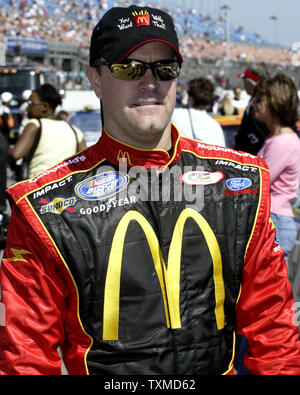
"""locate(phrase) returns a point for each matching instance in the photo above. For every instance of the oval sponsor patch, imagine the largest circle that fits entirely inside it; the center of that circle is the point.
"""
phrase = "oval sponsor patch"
(196, 177)
(101, 186)
(237, 184)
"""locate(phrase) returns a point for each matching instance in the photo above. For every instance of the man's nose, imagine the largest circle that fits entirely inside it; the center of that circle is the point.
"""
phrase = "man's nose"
(148, 81)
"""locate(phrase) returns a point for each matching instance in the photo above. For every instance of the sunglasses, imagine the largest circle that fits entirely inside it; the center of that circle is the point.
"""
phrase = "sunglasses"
(134, 70)
(34, 103)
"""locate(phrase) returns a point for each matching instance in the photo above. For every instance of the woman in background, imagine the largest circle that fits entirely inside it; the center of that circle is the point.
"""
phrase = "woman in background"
(276, 104)
(45, 140)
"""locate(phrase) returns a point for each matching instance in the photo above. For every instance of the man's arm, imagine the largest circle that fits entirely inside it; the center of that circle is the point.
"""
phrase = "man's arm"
(265, 312)
(34, 304)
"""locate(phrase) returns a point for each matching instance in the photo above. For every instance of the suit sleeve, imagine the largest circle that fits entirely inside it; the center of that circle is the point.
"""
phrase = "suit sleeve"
(34, 304)
(265, 312)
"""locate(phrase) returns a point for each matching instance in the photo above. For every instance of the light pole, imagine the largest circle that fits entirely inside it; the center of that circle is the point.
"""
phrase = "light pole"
(227, 8)
(275, 19)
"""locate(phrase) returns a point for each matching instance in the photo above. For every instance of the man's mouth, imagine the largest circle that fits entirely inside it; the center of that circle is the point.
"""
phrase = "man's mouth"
(143, 104)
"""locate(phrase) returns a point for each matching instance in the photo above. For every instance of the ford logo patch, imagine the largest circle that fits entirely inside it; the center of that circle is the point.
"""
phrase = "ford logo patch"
(237, 184)
(101, 186)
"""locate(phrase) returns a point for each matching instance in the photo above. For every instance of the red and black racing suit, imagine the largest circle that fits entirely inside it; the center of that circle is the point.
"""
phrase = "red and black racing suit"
(127, 285)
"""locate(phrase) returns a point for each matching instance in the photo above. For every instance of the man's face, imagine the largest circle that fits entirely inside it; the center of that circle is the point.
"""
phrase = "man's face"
(138, 112)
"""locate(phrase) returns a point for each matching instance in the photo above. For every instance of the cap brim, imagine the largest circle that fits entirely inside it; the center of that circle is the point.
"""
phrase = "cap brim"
(148, 41)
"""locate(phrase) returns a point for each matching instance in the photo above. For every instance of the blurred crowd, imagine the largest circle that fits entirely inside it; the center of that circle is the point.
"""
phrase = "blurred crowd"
(72, 22)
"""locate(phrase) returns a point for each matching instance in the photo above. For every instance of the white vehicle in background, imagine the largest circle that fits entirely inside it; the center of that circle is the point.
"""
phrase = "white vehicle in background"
(77, 100)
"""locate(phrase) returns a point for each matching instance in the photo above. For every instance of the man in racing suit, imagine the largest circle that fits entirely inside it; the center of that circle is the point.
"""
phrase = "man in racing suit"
(148, 252)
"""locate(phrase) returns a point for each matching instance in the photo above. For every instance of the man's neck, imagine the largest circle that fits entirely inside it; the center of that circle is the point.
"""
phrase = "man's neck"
(161, 141)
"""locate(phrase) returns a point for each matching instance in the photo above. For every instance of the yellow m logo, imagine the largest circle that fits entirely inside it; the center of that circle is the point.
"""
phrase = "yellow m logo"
(169, 278)
(124, 155)
(142, 19)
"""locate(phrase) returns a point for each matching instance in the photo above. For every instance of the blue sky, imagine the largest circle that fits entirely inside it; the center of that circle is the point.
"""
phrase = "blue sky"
(254, 16)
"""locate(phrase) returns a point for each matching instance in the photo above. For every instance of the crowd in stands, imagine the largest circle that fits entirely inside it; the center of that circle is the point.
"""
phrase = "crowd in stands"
(72, 22)
(216, 50)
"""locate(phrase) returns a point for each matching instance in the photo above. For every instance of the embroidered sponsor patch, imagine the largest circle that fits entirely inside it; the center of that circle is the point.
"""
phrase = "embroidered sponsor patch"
(236, 166)
(142, 18)
(197, 177)
(237, 184)
(251, 191)
(101, 186)
(58, 205)
(51, 187)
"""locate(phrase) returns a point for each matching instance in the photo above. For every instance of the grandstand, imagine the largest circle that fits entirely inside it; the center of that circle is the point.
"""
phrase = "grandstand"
(56, 33)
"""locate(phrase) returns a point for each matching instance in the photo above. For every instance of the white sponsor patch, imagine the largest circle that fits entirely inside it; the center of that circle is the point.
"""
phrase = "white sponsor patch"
(201, 177)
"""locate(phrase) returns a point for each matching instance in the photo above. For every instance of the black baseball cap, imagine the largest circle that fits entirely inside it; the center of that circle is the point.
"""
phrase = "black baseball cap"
(122, 30)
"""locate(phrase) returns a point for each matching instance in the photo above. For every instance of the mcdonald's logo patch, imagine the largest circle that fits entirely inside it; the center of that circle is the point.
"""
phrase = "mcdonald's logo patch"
(142, 18)
(168, 275)
(124, 156)
(102, 186)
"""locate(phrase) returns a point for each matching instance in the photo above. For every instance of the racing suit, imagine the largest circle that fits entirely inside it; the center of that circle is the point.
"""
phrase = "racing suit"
(128, 284)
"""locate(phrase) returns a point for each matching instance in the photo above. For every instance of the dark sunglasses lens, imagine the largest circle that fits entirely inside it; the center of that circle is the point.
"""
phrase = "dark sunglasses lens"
(129, 72)
(134, 70)
(167, 71)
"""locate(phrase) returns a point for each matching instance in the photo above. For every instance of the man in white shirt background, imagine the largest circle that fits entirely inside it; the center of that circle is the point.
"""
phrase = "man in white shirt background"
(194, 122)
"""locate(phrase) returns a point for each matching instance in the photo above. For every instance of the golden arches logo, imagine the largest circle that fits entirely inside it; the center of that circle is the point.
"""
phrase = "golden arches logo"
(169, 278)
(124, 156)
(141, 18)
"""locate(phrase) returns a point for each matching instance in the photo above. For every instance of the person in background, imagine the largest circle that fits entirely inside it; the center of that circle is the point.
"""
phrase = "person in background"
(237, 94)
(23, 116)
(239, 102)
(276, 104)
(6, 117)
(195, 122)
(252, 132)
(45, 140)
(226, 107)
(3, 179)
(63, 115)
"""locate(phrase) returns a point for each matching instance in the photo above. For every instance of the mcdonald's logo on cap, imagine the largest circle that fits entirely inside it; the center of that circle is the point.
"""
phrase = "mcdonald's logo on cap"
(168, 276)
(141, 18)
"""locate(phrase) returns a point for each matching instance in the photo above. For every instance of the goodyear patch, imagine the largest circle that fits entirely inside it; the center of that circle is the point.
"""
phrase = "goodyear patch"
(101, 186)
(58, 205)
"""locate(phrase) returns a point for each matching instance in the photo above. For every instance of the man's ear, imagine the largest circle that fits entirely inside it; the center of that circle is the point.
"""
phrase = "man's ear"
(95, 80)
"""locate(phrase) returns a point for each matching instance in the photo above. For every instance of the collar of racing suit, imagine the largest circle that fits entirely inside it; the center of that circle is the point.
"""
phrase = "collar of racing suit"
(115, 152)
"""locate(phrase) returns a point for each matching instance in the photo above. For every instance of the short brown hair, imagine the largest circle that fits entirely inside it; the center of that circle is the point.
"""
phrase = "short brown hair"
(283, 98)
(202, 91)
